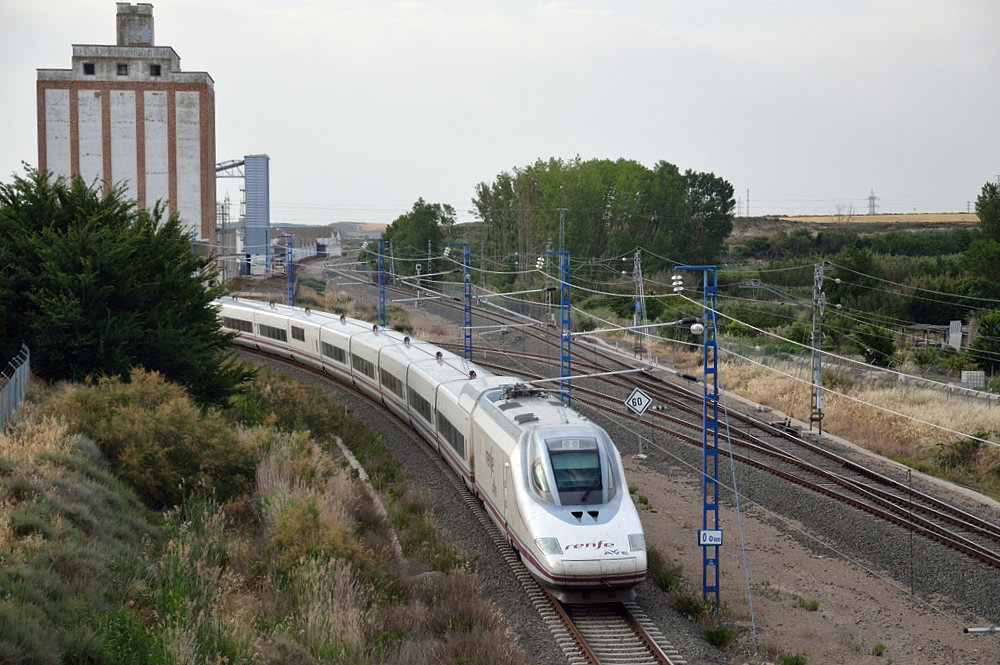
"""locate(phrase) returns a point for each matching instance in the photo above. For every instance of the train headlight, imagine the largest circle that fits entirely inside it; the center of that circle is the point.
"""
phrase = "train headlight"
(637, 542)
(548, 545)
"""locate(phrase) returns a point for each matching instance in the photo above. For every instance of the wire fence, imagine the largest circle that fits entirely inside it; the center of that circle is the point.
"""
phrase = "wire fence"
(13, 384)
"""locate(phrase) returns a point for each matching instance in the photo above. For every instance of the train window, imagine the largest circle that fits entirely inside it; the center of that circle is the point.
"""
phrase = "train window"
(299, 333)
(538, 478)
(366, 367)
(335, 352)
(391, 381)
(279, 334)
(451, 434)
(421, 406)
(576, 467)
(237, 324)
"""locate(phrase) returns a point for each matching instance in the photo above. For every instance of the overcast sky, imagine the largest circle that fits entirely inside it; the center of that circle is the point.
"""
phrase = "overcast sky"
(365, 106)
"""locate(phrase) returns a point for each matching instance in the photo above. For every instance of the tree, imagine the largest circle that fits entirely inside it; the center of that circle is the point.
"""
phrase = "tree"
(876, 344)
(411, 231)
(988, 209)
(99, 287)
(853, 280)
(984, 350)
(983, 255)
(610, 207)
(709, 218)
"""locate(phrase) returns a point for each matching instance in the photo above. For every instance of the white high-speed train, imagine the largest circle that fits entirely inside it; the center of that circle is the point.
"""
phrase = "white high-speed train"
(551, 479)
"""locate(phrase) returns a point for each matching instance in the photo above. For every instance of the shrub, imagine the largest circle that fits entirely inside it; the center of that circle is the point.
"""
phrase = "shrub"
(656, 568)
(810, 605)
(693, 605)
(158, 440)
(720, 636)
(797, 659)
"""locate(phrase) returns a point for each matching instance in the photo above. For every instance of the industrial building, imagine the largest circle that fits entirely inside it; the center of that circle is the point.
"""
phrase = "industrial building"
(127, 114)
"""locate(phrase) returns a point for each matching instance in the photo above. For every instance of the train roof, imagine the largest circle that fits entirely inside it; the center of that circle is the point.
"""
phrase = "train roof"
(305, 314)
(519, 407)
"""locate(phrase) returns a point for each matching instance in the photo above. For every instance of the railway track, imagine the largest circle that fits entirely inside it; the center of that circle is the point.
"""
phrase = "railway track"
(617, 634)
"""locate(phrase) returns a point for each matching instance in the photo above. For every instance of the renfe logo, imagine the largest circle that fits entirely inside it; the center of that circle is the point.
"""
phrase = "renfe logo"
(581, 546)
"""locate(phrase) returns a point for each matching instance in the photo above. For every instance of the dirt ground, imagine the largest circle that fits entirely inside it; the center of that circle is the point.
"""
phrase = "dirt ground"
(855, 611)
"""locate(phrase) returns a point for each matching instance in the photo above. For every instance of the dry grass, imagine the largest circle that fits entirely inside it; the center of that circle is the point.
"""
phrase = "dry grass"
(28, 438)
(331, 607)
(903, 218)
(913, 424)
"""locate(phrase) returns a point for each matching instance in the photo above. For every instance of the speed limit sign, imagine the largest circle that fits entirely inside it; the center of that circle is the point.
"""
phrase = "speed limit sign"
(638, 402)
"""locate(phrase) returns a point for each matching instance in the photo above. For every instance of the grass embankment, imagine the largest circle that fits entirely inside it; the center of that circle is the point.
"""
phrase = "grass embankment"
(135, 527)
(897, 429)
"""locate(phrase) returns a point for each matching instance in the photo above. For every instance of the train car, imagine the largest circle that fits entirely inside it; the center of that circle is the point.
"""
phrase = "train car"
(335, 345)
(555, 482)
(551, 479)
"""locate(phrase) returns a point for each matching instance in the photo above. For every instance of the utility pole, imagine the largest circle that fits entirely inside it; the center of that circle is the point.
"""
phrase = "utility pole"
(289, 267)
(817, 398)
(392, 262)
(562, 229)
(548, 294)
(871, 202)
(640, 308)
(565, 326)
(380, 244)
(710, 536)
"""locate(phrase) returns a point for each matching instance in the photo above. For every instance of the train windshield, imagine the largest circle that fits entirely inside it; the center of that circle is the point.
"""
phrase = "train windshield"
(576, 469)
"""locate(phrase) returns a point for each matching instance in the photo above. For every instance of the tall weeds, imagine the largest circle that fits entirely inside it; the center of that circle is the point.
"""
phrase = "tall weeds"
(296, 569)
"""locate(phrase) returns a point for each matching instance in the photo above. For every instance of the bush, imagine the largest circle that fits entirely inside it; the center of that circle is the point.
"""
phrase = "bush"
(158, 440)
(667, 579)
(693, 605)
(797, 659)
(720, 636)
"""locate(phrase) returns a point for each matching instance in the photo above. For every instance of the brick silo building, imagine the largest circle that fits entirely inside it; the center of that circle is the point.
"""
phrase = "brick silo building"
(127, 113)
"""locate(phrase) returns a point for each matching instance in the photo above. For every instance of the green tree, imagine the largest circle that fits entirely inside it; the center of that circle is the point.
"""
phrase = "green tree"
(709, 217)
(988, 209)
(99, 287)
(982, 258)
(854, 279)
(610, 207)
(984, 350)
(411, 231)
(877, 345)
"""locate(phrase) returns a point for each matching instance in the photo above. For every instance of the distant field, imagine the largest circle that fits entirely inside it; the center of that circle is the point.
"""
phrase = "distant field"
(904, 218)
